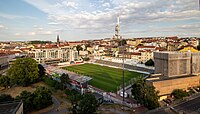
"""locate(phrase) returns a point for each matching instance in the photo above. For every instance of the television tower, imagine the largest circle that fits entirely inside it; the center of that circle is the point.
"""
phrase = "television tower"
(117, 29)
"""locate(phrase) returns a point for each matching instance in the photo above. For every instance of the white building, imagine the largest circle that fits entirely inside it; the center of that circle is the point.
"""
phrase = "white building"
(50, 54)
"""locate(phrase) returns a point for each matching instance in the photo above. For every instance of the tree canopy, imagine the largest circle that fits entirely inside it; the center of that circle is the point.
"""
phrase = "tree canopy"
(122, 42)
(64, 79)
(150, 62)
(145, 94)
(4, 81)
(83, 104)
(24, 71)
(88, 104)
(79, 48)
(27, 99)
(40, 42)
(42, 98)
(41, 70)
(52, 83)
(39, 99)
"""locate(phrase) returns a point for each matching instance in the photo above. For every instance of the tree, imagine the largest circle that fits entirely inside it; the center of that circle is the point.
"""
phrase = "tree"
(145, 94)
(64, 79)
(179, 93)
(86, 59)
(40, 42)
(83, 104)
(41, 70)
(24, 71)
(79, 48)
(122, 42)
(4, 81)
(140, 45)
(52, 83)
(39, 99)
(27, 98)
(75, 99)
(6, 98)
(88, 105)
(150, 62)
(42, 98)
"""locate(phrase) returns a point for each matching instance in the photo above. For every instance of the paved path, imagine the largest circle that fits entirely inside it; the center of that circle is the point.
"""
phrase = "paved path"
(55, 110)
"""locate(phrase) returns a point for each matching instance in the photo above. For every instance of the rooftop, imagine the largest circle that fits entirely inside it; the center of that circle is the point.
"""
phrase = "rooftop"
(72, 76)
(9, 107)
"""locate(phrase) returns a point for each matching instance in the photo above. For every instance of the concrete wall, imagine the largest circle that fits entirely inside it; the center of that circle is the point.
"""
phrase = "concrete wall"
(196, 63)
(172, 64)
(167, 86)
(20, 109)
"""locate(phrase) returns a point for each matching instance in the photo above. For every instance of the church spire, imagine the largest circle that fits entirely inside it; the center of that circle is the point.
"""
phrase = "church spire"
(58, 40)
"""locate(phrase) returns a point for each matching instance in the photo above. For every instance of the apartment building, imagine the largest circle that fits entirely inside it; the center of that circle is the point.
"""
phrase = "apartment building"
(53, 53)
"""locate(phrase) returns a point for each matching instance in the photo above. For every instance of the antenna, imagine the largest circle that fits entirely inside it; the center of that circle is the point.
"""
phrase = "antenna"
(117, 29)
(199, 5)
(118, 20)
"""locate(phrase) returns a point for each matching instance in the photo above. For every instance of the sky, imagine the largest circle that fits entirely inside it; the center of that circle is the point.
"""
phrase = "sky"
(76, 20)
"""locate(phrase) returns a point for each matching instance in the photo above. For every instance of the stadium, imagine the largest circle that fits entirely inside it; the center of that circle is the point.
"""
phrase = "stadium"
(103, 77)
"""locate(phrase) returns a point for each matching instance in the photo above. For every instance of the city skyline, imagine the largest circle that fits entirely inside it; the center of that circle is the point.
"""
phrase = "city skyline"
(88, 19)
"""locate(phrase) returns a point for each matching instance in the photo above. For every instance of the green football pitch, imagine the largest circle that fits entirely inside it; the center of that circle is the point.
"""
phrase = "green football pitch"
(103, 77)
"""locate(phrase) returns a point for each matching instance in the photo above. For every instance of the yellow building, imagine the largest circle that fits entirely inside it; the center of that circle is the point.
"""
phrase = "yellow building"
(188, 48)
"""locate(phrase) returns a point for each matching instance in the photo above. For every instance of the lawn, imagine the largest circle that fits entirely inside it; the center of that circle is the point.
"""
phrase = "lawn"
(103, 77)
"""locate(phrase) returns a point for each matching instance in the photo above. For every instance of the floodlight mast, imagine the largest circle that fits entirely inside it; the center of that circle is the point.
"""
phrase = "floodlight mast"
(123, 70)
(119, 37)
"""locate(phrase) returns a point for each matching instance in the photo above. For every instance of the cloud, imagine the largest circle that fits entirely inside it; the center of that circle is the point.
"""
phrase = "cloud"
(17, 34)
(2, 27)
(44, 32)
(81, 15)
(9, 16)
(34, 33)
(70, 4)
(53, 23)
(106, 4)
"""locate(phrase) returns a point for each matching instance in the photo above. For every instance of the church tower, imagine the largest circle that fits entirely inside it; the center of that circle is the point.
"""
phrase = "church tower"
(58, 40)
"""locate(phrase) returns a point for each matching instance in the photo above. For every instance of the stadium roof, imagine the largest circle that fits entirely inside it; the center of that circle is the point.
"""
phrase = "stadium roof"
(73, 76)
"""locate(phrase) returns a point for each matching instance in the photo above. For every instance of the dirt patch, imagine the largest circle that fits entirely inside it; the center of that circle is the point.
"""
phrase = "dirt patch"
(15, 91)
(64, 102)
(42, 110)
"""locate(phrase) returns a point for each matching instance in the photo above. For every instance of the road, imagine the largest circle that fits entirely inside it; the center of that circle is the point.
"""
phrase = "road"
(191, 106)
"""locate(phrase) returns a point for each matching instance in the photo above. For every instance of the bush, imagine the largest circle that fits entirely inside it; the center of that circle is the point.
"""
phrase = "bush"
(179, 93)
